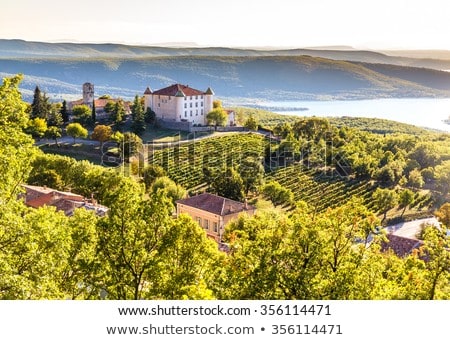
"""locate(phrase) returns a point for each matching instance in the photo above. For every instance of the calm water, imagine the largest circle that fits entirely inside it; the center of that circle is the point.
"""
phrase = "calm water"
(425, 112)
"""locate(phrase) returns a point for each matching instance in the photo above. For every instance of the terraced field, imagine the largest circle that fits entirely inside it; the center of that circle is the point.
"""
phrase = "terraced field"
(319, 190)
(184, 162)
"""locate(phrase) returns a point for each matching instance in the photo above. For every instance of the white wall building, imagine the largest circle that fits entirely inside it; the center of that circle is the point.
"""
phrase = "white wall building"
(180, 103)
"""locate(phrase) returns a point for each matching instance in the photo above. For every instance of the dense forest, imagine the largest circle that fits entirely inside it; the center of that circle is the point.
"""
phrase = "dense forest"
(322, 192)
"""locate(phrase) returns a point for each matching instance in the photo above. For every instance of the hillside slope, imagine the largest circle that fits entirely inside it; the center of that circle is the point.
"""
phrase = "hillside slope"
(273, 77)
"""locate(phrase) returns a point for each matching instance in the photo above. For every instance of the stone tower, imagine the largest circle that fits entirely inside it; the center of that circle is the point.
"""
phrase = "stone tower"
(88, 93)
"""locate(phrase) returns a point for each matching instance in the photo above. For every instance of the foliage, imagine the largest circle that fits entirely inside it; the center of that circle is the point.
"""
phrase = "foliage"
(385, 200)
(150, 173)
(40, 107)
(405, 199)
(102, 133)
(415, 179)
(64, 112)
(130, 145)
(278, 194)
(171, 189)
(12, 110)
(37, 127)
(137, 114)
(443, 214)
(150, 116)
(55, 117)
(53, 132)
(16, 148)
(217, 117)
(75, 130)
(229, 184)
(442, 175)
(251, 170)
(251, 123)
(82, 114)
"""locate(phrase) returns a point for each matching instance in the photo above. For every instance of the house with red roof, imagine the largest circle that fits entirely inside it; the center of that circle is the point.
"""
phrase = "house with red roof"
(213, 212)
(67, 202)
(180, 103)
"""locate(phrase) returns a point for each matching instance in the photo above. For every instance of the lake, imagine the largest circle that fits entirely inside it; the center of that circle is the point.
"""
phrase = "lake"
(424, 112)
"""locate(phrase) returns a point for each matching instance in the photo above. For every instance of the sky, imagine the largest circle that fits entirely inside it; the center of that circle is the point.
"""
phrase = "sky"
(380, 24)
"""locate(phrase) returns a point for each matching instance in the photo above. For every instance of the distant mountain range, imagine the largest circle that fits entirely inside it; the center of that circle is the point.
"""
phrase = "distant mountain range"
(297, 74)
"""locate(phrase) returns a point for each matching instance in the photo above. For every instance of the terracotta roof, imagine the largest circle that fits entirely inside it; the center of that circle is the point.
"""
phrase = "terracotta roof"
(215, 204)
(400, 245)
(64, 201)
(174, 89)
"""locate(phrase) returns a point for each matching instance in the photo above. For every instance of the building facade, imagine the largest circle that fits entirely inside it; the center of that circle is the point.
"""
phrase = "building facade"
(180, 103)
(213, 212)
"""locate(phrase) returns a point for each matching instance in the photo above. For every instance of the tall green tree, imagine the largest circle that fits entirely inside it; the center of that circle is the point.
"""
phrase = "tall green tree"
(16, 148)
(118, 114)
(82, 114)
(229, 184)
(37, 127)
(385, 200)
(217, 117)
(172, 190)
(130, 240)
(102, 133)
(251, 123)
(252, 172)
(405, 199)
(76, 130)
(53, 132)
(94, 113)
(130, 145)
(40, 107)
(54, 117)
(64, 112)
(137, 111)
(150, 116)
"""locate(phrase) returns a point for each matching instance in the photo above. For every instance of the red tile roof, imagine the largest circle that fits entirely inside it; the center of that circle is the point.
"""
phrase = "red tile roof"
(215, 204)
(63, 201)
(401, 246)
(173, 90)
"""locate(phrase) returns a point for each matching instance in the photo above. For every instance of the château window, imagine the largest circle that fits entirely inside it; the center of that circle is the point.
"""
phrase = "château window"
(202, 112)
(185, 105)
(206, 224)
(191, 104)
(196, 97)
(191, 113)
(196, 112)
(196, 104)
(216, 227)
(199, 220)
(201, 104)
(185, 98)
(201, 97)
(185, 113)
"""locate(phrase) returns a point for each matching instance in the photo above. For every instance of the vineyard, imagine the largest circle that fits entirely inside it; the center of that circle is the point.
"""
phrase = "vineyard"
(319, 190)
(184, 162)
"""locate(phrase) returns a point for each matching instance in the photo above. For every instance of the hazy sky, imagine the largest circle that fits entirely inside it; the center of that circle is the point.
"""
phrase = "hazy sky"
(394, 24)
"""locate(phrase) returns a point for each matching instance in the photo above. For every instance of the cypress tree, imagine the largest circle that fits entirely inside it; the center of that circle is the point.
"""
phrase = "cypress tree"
(36, 105)
(64, 112)
(94, 117)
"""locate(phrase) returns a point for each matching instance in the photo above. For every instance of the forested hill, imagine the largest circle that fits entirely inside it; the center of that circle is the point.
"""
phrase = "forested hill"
(120, 70)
